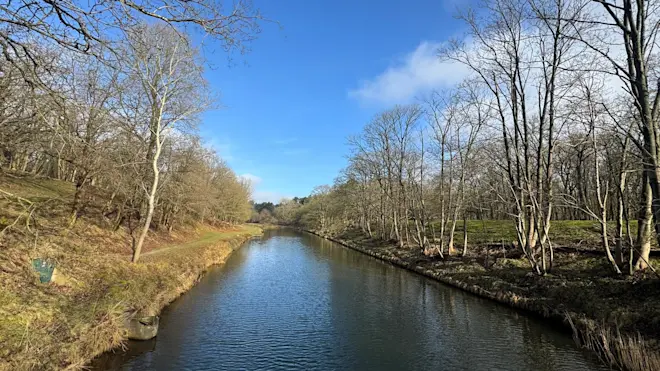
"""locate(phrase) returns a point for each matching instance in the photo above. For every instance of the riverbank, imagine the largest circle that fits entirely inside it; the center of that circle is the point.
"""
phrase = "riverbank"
(65, 323)
(619, 318)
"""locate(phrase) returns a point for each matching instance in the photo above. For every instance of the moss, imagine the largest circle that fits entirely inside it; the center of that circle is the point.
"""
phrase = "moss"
(504, 263)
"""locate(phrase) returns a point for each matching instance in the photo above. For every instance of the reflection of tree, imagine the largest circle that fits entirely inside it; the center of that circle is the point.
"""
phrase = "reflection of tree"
(409, 322)
(112, 361)
(352, 311)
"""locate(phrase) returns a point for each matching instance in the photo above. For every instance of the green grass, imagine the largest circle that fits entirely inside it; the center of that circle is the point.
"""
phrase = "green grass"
(207, 238)
(210, 237)
(562, 232)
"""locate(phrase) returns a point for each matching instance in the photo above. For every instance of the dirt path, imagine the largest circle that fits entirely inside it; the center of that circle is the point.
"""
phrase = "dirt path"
(206, 239)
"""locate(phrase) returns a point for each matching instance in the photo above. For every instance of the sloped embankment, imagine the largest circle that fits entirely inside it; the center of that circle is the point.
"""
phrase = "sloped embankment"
(64, 324)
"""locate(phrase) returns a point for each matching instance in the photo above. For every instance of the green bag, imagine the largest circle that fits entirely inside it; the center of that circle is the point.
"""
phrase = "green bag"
(45, 269)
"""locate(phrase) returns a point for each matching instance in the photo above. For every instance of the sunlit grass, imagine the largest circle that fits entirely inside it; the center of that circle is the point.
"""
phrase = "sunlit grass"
(562, 232)
(65, 323)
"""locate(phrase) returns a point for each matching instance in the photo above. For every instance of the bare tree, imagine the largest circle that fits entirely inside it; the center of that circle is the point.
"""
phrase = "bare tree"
(91, 27)
(442, 114)
(592, 115)
(509, 40)
(476, 112)
(171, 91)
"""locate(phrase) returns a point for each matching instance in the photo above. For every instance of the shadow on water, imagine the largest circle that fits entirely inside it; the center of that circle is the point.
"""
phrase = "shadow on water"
(296, 301)
(115, 359)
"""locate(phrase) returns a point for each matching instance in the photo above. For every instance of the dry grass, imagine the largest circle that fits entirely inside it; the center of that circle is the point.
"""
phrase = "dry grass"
(619, 351)
(62, 325)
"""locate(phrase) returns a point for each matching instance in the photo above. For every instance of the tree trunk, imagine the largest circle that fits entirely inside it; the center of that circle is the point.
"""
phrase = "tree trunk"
(643, 248)
(450, 246)
(465, 235)
(606, 243)
(151, 200)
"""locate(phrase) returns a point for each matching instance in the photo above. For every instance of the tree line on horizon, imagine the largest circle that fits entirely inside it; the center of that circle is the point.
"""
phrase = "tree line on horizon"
(559, 118)
(108, 95)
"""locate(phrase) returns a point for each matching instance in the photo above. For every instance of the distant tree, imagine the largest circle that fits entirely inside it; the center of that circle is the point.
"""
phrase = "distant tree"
(264, 205)
(288, 212)
(265, 216)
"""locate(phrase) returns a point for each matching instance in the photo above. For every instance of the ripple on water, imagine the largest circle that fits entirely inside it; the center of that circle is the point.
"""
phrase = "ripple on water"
(295, 302)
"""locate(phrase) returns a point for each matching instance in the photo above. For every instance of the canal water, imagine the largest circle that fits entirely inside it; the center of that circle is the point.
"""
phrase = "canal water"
(293, 301)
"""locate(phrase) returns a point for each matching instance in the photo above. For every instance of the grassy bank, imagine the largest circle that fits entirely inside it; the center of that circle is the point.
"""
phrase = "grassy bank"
(618, 317)
(63, 324)
(576, 234)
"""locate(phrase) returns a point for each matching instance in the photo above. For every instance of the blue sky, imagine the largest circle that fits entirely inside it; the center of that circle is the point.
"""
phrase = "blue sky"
(290, 104)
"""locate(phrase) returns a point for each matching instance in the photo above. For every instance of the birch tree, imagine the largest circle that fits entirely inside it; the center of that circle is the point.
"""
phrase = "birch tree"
(170, 92)
(520, 52)
(635, 24)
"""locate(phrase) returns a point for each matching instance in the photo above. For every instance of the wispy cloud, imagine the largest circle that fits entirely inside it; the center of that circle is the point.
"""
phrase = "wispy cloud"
(253, 179)
(417, 73)
(221, 148)
(269, 196)
(260, 195)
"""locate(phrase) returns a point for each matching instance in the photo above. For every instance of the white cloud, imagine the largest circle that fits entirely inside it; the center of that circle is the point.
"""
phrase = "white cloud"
(269, 196)
(262, 195)
(253, 179)
(418, 72)
(221, 148)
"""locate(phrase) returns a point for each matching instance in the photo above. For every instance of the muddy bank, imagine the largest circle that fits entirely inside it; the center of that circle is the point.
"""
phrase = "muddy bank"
(618, 318)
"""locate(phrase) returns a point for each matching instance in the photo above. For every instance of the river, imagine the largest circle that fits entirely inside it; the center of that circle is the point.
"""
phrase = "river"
(294, 301)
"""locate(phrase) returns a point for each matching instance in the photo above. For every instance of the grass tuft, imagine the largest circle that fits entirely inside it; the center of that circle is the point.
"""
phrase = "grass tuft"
(619, 351)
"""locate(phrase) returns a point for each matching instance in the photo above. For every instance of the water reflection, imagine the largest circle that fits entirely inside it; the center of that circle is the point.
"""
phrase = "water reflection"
(115, 359)
(296, 301)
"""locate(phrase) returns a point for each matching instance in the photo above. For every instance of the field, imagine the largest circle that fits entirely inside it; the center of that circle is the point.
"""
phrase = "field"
(583, 234)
